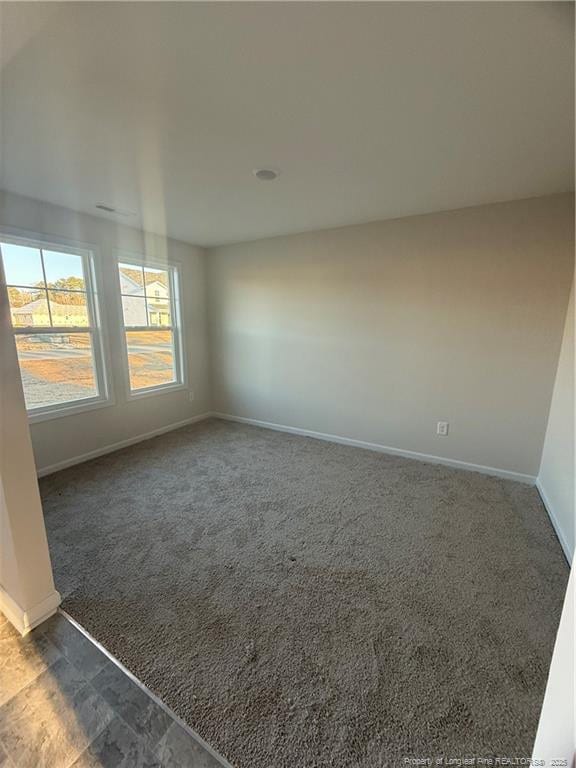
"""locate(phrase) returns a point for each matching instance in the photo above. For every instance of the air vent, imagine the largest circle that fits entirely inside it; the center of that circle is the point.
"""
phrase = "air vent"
(116, 211)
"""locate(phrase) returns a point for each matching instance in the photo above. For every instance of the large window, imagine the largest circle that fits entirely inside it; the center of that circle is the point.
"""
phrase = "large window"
(51, 291)
(151, 315)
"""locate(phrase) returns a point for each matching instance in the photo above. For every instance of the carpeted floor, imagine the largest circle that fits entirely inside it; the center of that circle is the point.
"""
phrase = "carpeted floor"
(303, 604)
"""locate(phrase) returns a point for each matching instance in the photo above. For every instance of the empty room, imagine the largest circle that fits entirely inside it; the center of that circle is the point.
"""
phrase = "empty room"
(286, 384)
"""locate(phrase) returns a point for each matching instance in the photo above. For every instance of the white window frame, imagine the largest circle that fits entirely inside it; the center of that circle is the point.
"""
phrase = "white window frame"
(173, 269)
(95, 329)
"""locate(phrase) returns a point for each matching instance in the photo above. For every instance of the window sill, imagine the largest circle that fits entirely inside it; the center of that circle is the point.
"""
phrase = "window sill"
(138, 394)
(67, 410)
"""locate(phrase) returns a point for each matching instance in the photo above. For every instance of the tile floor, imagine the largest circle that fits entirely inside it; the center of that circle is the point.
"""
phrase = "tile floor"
(65, 704)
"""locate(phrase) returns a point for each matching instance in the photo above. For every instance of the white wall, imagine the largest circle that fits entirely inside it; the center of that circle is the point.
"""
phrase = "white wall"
(556, 735)
(376, 332)
(61, 439)
(372, 332)
(556, 476)
(27, 592)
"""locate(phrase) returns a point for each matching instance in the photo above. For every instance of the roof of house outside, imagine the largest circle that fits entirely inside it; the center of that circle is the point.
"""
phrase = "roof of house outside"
(135, 275)
(40, 306)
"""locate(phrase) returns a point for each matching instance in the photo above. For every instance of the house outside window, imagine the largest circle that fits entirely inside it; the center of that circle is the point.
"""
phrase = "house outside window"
(152, 327)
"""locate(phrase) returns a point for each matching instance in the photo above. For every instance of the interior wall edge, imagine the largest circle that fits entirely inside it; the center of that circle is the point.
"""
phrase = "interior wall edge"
(569, 308)
(556, 482)
(25, 620)
(548, 506)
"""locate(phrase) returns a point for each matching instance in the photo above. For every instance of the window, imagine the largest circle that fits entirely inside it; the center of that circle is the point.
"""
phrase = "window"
(152, 330)
(55, 321)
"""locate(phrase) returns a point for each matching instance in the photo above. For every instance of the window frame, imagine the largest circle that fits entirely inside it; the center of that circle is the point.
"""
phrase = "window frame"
(174, 270)
(96, 329)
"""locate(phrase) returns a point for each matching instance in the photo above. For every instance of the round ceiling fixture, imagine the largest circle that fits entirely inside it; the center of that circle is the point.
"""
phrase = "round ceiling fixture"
(266, 174)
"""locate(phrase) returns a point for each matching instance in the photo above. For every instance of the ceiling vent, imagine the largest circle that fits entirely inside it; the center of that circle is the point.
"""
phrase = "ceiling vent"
(116, 211)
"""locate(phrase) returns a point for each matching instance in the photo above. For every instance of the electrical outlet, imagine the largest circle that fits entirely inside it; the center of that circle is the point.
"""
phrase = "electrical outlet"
(191, 395)
(442, 428)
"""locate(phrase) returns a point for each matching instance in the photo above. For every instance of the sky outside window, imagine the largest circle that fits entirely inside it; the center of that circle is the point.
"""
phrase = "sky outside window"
(60, 266)
(23, 266)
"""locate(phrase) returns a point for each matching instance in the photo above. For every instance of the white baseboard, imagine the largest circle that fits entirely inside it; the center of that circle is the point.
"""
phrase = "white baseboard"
(554, 520)
(456, 463)
(51, 468)
(24, 621)
(504, 473)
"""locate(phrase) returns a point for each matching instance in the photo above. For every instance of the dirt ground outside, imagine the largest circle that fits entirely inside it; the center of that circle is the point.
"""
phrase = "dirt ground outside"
(50, 362)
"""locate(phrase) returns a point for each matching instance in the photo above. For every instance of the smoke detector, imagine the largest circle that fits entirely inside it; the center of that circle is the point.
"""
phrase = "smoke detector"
(266, 174)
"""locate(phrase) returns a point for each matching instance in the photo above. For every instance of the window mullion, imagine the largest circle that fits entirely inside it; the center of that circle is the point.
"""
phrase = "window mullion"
(90, 293)
(177, 337)
(145, 296)
(98, 361)
(45, 285)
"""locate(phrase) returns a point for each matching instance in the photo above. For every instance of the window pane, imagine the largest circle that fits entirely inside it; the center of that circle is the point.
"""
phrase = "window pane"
(56, 368)
(150, 358)
(28, 307)
(131, 280)
(134, 309)
(64, 270)
(157, 283)
(22, 265)
(159, 312)
(68, 308)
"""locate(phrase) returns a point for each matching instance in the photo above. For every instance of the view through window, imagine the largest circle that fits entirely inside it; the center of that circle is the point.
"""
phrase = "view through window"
(52, 310)
(150, 314)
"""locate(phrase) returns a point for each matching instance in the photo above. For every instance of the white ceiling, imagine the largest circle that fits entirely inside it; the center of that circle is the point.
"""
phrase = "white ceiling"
(371, 110)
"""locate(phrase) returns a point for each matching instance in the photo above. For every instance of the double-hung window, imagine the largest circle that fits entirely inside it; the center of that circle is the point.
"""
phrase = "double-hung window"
(54, 313)
(152, 327)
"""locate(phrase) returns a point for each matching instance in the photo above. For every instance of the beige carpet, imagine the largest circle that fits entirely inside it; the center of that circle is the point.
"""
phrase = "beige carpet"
(306, 604)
